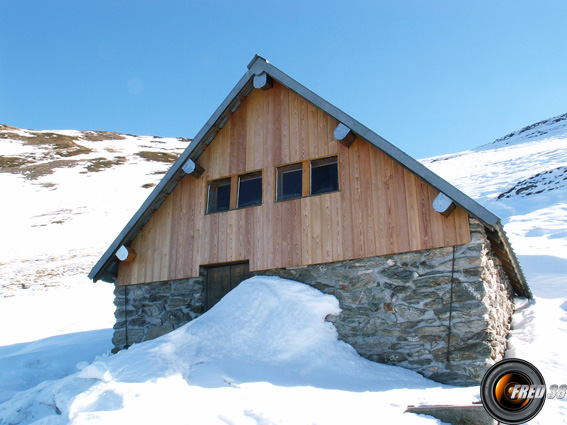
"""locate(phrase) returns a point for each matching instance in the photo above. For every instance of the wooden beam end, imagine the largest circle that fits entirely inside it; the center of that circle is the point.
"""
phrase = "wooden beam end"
(193, 169)
(443, 205)
(263, 81)
(344, 135)
(125, 254)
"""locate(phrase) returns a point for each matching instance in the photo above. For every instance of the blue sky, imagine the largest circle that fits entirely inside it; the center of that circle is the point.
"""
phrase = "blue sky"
(432, 77)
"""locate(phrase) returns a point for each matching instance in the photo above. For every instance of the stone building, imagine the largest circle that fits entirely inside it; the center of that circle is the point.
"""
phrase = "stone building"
(281, 182)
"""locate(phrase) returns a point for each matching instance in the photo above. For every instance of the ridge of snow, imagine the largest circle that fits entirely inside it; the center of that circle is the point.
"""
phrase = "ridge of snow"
(263, 354)
(59, 220)
(71, 215)
(545, 129)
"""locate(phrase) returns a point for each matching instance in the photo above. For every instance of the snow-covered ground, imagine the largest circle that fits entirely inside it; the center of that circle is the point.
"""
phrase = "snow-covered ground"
(66, 194)
(264, 354)
(522, 178)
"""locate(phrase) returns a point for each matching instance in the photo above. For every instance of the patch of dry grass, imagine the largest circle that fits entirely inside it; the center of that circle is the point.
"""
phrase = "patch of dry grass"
(99, 164)
(60, 144)
(157, 156)
(13, 161)
(99, 136)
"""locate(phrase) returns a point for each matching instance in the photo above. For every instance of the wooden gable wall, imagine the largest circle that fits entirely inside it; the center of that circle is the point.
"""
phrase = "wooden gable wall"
(381, 208)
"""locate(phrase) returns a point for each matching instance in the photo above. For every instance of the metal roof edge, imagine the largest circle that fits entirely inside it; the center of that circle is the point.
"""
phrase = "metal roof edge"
(256, 67)
(514, 260)
(460, 198)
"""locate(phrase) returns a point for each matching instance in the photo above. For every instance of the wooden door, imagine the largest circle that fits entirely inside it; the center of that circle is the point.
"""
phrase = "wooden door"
(223, 278)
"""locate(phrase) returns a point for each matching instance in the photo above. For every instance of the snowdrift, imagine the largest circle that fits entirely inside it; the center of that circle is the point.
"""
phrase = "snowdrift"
(263, 347)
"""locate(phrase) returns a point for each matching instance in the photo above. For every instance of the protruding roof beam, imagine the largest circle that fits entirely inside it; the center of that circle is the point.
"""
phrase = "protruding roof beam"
(263, 81)
(344, 135)
(125, 254)
(443, 204)
(192, 168)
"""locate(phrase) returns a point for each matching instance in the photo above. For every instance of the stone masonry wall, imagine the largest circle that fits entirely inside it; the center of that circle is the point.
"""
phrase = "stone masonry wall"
(395, 308)
(148, 310)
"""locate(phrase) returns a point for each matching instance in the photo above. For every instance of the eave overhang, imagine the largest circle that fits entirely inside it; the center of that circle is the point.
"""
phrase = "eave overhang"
(107, 266)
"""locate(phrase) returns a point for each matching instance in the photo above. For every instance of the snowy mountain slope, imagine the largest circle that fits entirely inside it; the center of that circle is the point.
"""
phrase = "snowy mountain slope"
(555, 127)
(202, 372)
(65, 196)
(522, 178)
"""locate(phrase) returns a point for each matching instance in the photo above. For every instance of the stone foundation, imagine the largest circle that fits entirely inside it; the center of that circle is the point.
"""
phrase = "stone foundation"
(149, 310)
(395, 309)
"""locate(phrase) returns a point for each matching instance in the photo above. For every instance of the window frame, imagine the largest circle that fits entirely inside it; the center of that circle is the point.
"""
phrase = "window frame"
(306, 177)
(208, 203)
(234, 191)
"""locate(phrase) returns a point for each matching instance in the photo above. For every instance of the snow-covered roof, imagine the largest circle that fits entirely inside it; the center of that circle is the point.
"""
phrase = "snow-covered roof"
(107, 266)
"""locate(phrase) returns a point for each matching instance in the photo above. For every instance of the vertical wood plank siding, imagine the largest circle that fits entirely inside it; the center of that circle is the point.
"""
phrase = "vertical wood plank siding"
(381, 208)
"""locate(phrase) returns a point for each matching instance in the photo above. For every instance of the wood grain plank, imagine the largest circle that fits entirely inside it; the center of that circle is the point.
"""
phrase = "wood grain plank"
(295, 228)
(175, 233)
(387, 165)
(257, 238)
(462, 226)
(306, 257)
(283, 102)
(241, 139)
(326, 229)
(322, 137)
(276, 123)
(346, 203)
(381, 208)
(220, 255)
(286, 234)
(304, 130)
(366, 207)
(402, 224)
(190, 211)
(315, 224)
(356, 200)
(294, 142)
(412, 212)
(166, 236)
(336, 227)
(378, 208)
(424, 208)
(312, 131)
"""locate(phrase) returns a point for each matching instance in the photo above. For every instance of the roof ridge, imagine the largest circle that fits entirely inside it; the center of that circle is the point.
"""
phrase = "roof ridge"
(106, 267)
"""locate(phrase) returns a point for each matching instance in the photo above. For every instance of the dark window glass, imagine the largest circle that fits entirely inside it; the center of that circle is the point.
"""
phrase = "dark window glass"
(324, 175)
(290, 182)
(219, 196)
(250, 189)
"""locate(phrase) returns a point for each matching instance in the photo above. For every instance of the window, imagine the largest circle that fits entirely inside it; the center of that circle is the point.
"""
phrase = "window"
(324, 175)
(249, 189)
(310, 177)
(236, 191)
(219, 195)
(289, 182)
